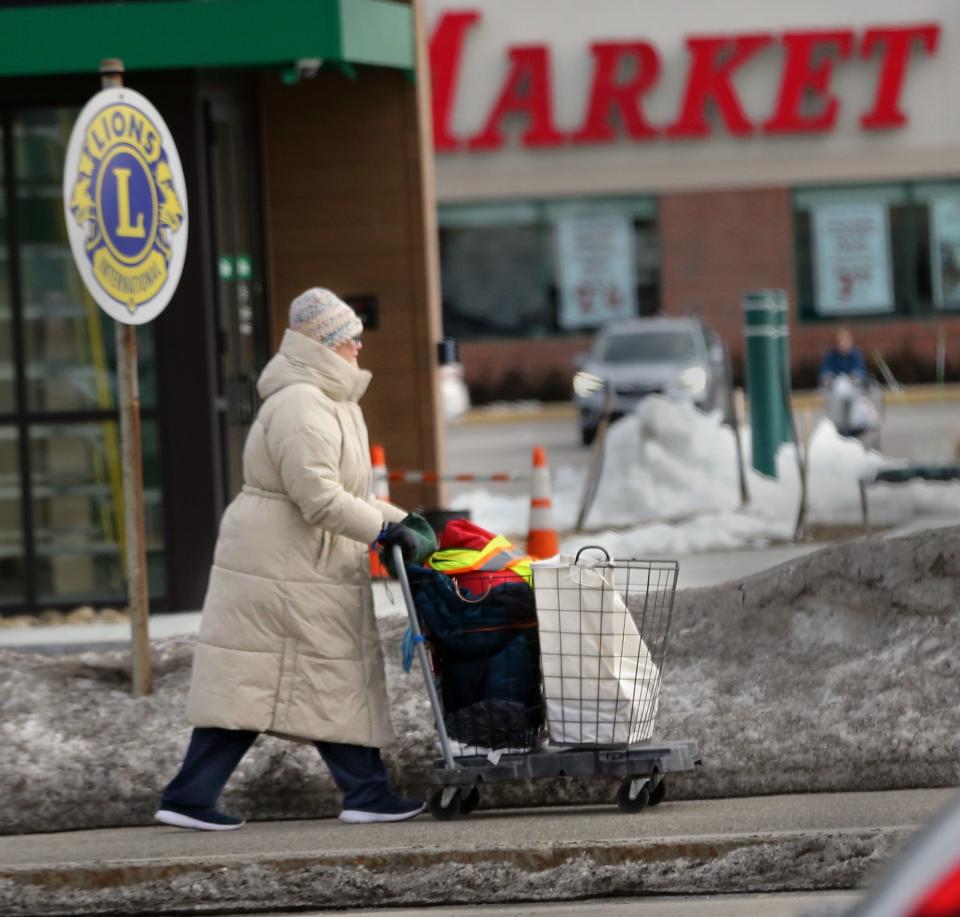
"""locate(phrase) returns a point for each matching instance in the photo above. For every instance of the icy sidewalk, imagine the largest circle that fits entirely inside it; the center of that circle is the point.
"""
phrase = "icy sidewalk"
(774, 843)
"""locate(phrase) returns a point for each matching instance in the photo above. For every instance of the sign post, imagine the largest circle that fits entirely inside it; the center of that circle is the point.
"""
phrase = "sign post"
(134, 527)
(126, 212)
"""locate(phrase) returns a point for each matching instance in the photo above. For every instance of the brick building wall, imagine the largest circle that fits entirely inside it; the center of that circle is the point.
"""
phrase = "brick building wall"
(345, 209)
(715, 246)
(536, 367)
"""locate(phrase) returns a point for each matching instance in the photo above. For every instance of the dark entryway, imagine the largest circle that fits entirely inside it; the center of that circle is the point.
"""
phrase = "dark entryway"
(242, 334)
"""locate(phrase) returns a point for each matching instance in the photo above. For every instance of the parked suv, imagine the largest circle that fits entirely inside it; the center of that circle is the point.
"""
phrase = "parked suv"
(677, 357)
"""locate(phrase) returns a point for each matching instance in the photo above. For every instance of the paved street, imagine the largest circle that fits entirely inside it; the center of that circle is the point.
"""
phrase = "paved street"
(922, 432)
(507, 445)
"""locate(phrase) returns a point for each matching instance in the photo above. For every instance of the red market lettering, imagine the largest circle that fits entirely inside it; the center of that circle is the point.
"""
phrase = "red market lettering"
(896, 44)
(446, 51)
(710, 80)
(608, 96)
(804, 103)
(526, 90)
(802, 79)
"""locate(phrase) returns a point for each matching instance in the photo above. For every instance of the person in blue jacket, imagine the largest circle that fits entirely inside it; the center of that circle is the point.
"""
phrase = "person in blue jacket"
(844, 358)
(843, 373)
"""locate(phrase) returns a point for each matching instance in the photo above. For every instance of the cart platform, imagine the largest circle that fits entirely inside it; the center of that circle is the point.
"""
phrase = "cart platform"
(644, 760)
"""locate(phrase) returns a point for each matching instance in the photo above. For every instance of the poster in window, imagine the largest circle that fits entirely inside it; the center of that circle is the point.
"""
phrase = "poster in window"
(945, 250)
(851, 258)
(596, 270)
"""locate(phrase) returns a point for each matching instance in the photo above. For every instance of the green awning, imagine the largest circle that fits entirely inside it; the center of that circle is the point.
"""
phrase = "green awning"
(74, 38)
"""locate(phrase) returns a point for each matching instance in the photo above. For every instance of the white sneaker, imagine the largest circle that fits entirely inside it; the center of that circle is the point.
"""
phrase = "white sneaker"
(394, 810)
(201, 820)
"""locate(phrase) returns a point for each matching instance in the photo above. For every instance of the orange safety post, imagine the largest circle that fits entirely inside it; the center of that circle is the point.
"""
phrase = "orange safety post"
(381, 490)
(542, 541)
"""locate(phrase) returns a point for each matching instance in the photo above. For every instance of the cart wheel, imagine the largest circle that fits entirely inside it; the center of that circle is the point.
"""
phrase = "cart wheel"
(658, 794)
(637, 804)
(448, 813)
(469, 802)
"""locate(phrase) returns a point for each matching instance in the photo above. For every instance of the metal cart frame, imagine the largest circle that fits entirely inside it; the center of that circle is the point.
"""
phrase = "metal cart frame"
(641, 766)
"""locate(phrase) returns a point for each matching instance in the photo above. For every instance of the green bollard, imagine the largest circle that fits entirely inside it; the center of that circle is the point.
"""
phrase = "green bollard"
(782, 323)
(764, 387)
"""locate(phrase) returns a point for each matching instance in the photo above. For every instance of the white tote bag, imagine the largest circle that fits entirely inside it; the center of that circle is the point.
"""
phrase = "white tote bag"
(600, 683)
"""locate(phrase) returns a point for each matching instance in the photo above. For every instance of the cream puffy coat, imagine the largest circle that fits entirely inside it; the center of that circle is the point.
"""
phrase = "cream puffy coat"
(288, 641)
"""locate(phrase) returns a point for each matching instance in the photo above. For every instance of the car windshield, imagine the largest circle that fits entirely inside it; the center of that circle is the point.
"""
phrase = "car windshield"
(647, 347)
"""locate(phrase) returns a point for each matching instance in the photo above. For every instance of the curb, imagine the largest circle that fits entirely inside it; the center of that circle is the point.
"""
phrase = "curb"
(551, 410)
(747, 863)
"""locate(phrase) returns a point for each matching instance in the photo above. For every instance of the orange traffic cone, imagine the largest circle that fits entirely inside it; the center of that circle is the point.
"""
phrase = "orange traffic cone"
(542, 541)
(381, 490)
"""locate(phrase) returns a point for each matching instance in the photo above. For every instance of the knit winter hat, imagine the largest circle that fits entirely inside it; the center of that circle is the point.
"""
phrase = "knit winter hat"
(324, 317)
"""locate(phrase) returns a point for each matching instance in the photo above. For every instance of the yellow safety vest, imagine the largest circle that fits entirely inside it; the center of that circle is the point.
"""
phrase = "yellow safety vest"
(497, 554)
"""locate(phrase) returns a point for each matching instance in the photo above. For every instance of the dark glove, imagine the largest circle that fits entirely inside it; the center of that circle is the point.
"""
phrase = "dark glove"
(396, 533)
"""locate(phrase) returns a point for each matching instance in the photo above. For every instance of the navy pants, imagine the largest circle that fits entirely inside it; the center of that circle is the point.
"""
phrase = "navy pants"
(213, 755)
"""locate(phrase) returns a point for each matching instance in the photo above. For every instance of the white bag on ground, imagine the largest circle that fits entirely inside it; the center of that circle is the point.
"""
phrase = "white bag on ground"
(600, 683)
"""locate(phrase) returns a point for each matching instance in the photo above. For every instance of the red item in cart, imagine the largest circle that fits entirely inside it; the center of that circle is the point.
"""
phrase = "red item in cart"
(477, 559)
(462, 533)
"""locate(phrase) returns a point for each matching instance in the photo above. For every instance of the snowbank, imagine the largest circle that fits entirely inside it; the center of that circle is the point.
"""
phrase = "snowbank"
(670, 485)
(837, 671)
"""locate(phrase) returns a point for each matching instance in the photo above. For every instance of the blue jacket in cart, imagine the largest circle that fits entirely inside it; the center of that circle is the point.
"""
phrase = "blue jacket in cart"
(487, 657)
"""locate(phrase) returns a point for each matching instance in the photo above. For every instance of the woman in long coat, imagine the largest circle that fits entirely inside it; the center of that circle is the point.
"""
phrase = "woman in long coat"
(288, 641)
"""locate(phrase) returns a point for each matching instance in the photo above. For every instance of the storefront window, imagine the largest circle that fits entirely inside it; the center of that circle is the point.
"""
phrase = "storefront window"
(537, 268)
(878, 250)
(77, 491)
(938, 239)
(61, 499)
(69, 341)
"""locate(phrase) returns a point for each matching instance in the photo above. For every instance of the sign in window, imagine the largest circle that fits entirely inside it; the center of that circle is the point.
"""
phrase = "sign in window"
(852, 264)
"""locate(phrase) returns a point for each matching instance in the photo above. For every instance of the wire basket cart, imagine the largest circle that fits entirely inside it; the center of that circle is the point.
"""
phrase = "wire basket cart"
(570, 692)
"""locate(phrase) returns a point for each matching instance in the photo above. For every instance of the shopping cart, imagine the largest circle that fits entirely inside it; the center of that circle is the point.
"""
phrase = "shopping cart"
(594, 655)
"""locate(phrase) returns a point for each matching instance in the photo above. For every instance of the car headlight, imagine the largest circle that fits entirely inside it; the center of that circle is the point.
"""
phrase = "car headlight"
(586, 384)
(694, 379)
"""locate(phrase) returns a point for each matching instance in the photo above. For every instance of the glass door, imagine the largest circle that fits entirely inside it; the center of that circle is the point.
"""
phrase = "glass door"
(241, 316)
(12, 547)
(61, 500)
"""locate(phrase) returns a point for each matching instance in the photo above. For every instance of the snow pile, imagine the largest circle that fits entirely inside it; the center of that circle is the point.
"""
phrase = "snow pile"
(80, 752)
(832, 672)
(837, 671)
(670, 485)
(669, 460)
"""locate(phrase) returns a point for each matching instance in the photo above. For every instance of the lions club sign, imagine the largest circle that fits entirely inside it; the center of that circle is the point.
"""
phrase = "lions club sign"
(125, 205)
